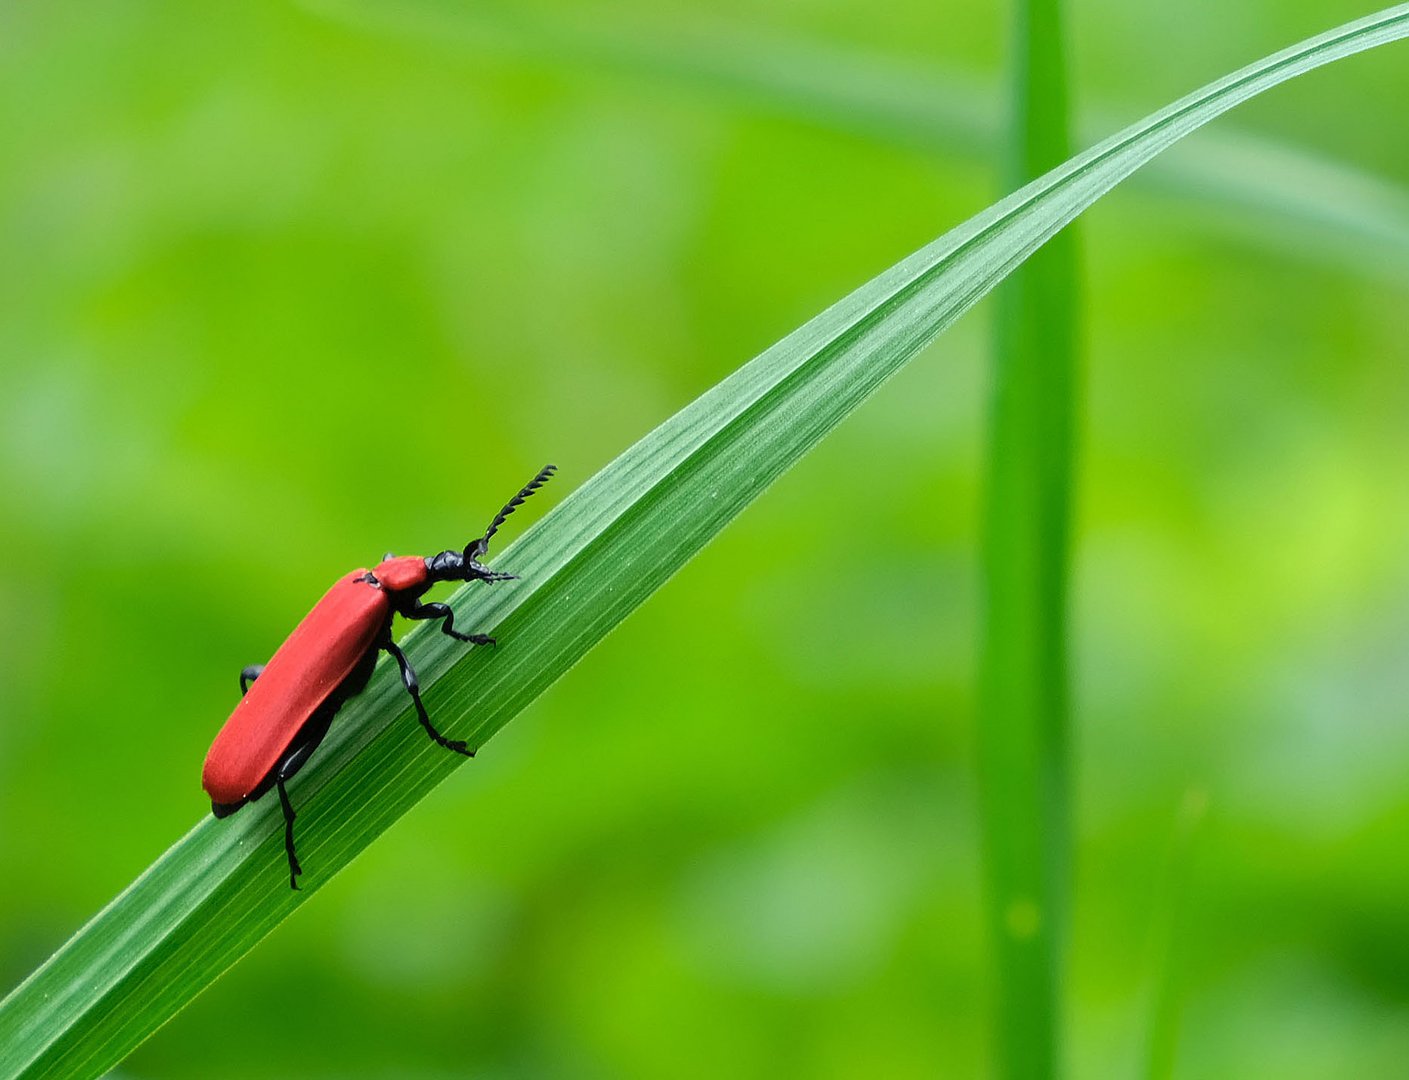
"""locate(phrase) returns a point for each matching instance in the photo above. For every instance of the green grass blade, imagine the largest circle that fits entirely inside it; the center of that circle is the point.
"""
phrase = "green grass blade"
(1259, 185)
(1021, 737)
(585, 566)
(1170, 927)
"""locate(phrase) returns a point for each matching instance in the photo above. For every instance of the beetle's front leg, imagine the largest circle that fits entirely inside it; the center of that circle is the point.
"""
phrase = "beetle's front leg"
(447, 626)
(413, 687)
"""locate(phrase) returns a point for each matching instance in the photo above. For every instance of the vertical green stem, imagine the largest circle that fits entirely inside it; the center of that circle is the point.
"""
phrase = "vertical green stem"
(1022, 736)
(1169, 925)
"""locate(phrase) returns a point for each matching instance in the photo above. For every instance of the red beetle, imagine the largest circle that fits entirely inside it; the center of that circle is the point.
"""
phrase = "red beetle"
(284, 714)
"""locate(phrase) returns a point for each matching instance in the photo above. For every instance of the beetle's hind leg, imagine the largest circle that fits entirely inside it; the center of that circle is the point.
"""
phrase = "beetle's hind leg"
(447, 626)
(413, 687)
(289, 815)
(248, 675)
(297, 757)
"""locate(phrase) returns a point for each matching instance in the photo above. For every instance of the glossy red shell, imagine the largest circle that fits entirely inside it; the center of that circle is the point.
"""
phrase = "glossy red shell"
(321, 652)
(404, 573)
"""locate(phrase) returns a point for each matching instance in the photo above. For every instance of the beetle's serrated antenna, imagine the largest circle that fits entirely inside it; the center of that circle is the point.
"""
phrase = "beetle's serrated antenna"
(480, 546)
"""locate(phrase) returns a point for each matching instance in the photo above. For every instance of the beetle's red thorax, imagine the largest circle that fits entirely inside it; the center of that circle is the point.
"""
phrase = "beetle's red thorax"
(405, 572)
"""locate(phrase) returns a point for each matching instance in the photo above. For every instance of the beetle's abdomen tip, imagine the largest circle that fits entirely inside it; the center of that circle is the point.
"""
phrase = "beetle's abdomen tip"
(224, 810)
(227, 789)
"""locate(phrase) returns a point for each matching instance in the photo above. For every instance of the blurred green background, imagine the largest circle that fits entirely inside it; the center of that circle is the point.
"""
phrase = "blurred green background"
(285, 286)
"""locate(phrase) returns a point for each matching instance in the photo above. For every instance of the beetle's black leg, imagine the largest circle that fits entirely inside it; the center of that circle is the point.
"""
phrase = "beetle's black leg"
(248, 675)
(300, 750)
(294, 868)
(413, 687)
(442, 611)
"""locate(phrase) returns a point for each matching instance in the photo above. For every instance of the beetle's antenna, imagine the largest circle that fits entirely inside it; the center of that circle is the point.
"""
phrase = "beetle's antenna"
(480, 546)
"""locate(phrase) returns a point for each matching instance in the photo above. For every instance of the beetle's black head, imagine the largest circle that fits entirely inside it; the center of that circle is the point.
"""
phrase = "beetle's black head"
(465, 565)
(462, 566)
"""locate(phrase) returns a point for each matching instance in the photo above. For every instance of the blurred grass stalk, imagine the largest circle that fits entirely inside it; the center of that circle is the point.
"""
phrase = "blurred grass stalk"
(1023, 686)
(585, 566)
(1170, 906)
(1276, 194)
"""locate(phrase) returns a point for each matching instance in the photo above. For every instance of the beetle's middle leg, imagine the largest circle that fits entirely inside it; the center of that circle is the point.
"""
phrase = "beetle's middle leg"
(248, 675)
(413, 687)
(444, 612)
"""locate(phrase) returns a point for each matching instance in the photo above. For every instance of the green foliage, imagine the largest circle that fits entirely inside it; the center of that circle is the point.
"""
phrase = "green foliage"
(586, 565)
(262, 253)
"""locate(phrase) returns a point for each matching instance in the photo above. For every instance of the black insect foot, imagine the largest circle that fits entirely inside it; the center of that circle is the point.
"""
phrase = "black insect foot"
(473, 639)
(459, 746)
(448, 629)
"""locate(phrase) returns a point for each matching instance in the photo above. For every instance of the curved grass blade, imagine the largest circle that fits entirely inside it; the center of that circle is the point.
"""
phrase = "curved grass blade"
(585, 567)
(1022, 731)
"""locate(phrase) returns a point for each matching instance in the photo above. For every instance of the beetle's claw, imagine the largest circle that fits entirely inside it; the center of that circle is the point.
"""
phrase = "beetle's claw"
(473, 639)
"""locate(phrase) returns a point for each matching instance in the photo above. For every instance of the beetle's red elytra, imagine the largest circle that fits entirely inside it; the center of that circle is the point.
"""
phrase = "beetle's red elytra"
(318, 656)
(289, 703)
